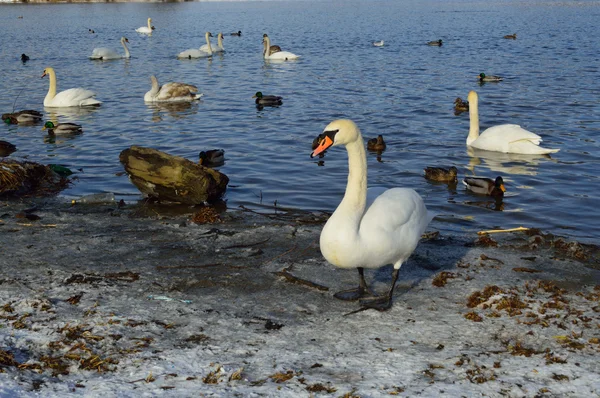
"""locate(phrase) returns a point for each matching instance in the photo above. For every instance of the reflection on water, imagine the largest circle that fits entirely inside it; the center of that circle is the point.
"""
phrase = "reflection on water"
(72, 114)
(505, 163)
(176, 110)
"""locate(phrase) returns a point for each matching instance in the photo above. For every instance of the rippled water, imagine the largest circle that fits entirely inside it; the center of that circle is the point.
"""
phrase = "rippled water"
(403, 90)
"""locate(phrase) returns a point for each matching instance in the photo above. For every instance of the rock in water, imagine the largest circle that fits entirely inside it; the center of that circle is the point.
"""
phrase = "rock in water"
(172, 178)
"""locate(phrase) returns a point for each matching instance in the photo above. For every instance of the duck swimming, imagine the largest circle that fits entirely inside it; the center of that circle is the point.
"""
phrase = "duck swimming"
(485, 186)
(238, 33)
(485, 78)
(441, 174)
(27, 116)
(460, 105)
(513, 36)
(376, 144)
(435, 43)
(24, 58)
(212, 158)
(62, 128)
(267, 100)
(6, 148)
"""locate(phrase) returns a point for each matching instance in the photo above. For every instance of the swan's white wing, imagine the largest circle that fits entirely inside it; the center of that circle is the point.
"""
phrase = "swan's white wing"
(177, 92)
(392, 227)
(193, 53)
(282, 56)
(144, 29)
(104, 53)
(74, 97)
(510, 138)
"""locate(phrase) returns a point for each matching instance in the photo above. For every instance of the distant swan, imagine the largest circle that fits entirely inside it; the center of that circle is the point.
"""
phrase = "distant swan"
(171, 92)
(369, 229)
(106, 53)
(196, 52)
(67, 98)
(378, 43)
(278, 56)
(507, 138)
(218, 49)
(146, 29)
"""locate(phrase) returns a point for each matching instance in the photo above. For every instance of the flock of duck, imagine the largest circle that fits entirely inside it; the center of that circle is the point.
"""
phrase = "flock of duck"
(371, 227)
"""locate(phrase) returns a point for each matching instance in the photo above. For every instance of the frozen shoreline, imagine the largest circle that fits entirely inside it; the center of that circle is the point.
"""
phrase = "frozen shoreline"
(261, 321)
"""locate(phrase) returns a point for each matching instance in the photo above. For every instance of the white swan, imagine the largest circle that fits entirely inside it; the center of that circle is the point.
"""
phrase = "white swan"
(369, 230)
(70, 97)
(171, 92)
(278, 56)
(196, 52)
(218, 49)
(378, 43)
(106, 53)
(507, 138)
(147, 30)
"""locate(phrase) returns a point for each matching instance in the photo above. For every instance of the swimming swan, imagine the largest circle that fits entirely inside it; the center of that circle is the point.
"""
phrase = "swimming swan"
(71, 97)
(279, 55)
(369, 229)
(273, 48)
(507, 138)
(171, 92)
(146, 29)
(196, 52)
(106, 53)
(218, 49)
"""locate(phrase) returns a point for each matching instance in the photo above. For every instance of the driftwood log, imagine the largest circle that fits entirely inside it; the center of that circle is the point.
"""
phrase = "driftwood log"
(171, 178)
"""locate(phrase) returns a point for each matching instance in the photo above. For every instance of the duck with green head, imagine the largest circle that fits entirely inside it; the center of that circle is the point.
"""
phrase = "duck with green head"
(267, 100)
(489, 78)
(26, 116)
(486, 186)
(62, 128)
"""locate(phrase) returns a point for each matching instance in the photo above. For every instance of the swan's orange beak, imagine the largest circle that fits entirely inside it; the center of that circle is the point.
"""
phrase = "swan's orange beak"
(324, 143)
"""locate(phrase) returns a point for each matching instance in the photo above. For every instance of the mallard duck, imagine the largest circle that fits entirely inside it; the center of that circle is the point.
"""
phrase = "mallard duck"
(62, 128)
(267, 100)
(6, 148)
(441, 174)
(238, 33)
(485, 186)
(513, 36)
(24, 58)
(376, 144)
(91, 31)
(378, 43)
(435, 43)
(485, 78)
(212, 158)
(460, 105)
(27, 116)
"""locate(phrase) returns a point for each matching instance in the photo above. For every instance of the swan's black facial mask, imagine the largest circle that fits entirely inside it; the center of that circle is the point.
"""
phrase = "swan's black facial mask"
(326, 139)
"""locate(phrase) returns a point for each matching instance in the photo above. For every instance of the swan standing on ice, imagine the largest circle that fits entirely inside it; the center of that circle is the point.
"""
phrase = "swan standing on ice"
(196, 52)
(369, 229)
(278, 56)
(218, 49)
(106, 53)
(506, 138)
(171, 92)
(147, 30)
(71, 97)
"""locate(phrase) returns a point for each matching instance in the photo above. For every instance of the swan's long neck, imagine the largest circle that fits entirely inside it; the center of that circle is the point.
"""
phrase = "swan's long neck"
(267, 46)
(155, 88)
(208, 43)
(52, 88)
(220, 40)
(150, 24)
(473, 120)
(351, 209)
(127, 55)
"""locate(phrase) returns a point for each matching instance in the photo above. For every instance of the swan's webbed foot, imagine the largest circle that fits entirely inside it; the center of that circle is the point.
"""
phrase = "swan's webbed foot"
(353, 294)
(380, 303)
(362, 291)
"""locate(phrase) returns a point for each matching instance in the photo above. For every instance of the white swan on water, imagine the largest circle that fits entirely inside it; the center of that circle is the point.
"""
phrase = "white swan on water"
(71, 97)
(218, 49)
(106, 53)
(279, 55)
(506, 138)
(196, 52)
(369, 230)
(171, 92)
(146, 29)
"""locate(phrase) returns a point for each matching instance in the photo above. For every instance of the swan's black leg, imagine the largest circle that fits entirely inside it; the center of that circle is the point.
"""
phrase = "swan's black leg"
(355, 294)
(381, 303)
